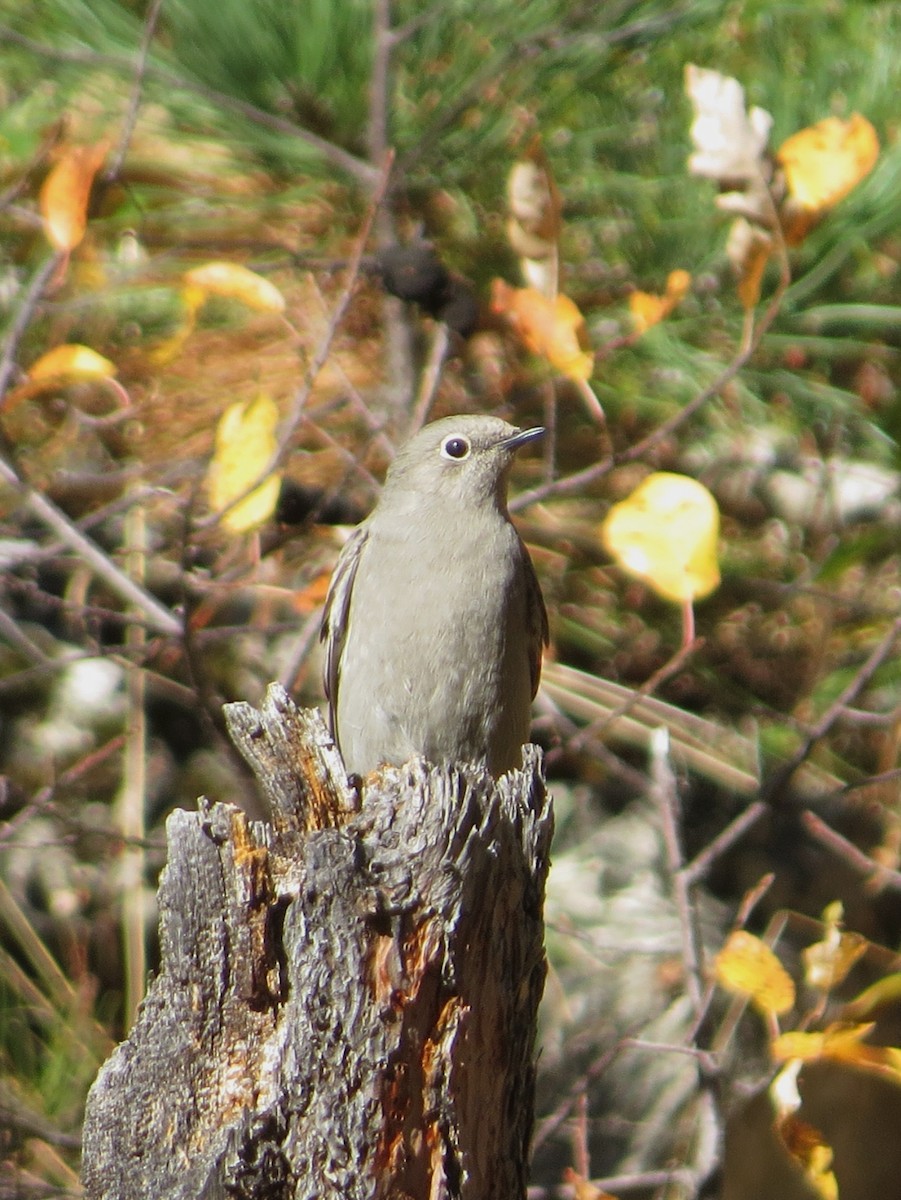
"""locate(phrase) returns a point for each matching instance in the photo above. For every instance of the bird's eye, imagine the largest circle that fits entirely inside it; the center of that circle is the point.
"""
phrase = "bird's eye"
(455, 447)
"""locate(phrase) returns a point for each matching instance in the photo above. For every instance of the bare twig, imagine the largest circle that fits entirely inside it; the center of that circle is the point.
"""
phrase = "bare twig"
(725, 840)
(19, 323)
(304, 642)
(666, 795)
(550, 1124)
(671, 667)
(749, 902)
(131, 802)
(876, 873)
(431, 377)
(115, 166)
(833, 713)
(157, 616)
(377, 135)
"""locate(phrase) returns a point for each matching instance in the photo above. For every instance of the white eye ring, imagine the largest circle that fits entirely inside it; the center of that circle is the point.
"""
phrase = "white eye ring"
(455, 447)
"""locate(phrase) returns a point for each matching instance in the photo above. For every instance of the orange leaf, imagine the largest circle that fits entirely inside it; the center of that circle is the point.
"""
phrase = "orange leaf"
(308, 599)
(666, 533)
(747, 967)
(648, 309)
(64, 195)
(825, 161)
(554, 329)
(235, 282)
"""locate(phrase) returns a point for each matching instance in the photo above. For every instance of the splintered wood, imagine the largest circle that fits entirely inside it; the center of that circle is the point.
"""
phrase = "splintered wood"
(348, 995)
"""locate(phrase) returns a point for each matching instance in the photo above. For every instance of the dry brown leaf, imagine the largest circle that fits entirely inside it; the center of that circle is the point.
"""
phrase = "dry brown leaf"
(748, 249)
(310, 598)
(814, 1155)
(729, 143)
(533, 228)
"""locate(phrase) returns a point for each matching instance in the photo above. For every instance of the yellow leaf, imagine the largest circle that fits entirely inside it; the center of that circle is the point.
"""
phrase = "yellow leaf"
(806, 1145)
(245, 443)
(666, 533)
(746, 966)
(827, 963)
(884, 992)
(648, 309)
(72, 361)
(64, 195)
(840, 1043)
(554, 329)
(235, 282)
(825, 161)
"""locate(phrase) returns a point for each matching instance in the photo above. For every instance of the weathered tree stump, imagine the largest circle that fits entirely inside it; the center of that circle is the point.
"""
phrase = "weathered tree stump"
(347, 999)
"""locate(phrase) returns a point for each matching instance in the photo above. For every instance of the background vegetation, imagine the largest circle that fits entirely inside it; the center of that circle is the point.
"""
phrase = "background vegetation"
(256, 132)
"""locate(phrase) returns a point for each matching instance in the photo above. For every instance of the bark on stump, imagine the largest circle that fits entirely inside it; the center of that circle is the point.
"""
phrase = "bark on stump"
(347, 999)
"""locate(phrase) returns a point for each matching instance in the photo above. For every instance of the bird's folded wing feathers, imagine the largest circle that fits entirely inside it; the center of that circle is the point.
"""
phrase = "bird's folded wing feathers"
(334, 615)
(536, 616)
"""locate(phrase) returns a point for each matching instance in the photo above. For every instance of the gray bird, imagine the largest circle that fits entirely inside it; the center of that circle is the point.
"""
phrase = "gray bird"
(434, 622)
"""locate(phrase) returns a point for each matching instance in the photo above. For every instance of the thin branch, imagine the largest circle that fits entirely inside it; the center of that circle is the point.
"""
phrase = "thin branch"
(749, 902)
(430, 378)
(725, 840)
(305, 641)
(132, 800)
(20, 321)
(835, 710)
(131, 117)
(876, 873)
(671, 667)
(377, 134)
(158, 617)
(549, 1125)
(666, 795)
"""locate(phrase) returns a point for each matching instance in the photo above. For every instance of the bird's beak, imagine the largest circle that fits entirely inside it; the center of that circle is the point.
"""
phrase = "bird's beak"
(522, 436)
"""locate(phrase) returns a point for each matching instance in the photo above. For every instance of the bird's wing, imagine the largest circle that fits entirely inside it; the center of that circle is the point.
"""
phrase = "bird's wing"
(334, 616)
(536, 618)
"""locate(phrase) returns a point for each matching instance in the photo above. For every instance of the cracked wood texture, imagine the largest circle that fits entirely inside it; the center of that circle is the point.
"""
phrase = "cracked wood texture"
(347, 998)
